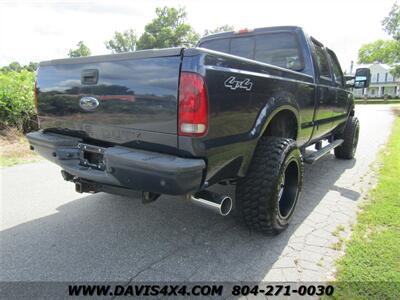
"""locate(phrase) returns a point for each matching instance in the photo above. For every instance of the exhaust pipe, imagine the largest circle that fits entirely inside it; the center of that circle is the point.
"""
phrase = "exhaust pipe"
(221, 204)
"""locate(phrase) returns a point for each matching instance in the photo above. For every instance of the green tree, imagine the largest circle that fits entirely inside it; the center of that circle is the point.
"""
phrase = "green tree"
(391, 24)
(219, 29)
(382, 51)
(122, 41)
(32, 66)
(17, 108)
(82, 50)
(385, 51)
(168, 29)
(15, 66)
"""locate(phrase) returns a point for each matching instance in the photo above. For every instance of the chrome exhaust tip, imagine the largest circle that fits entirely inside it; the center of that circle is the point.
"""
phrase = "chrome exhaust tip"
(221, 204)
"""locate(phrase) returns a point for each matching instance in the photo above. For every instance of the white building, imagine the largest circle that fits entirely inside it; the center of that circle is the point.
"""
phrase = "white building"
(382, 83)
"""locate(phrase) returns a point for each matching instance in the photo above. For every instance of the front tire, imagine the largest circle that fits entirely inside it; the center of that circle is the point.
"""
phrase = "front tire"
(267, 196)
(347, 150)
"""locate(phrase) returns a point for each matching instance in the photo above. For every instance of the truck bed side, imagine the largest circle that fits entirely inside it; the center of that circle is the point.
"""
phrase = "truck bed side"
(238, 116)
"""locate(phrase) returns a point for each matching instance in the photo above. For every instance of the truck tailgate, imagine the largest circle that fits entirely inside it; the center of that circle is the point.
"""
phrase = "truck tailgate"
(122, 98)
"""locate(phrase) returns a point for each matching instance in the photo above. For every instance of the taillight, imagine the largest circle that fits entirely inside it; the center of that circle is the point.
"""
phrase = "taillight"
(193, 105)
(36, 97)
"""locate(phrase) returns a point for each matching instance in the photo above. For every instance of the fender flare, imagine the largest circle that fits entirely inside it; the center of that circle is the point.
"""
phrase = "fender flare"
(270, 110)
(267, 113)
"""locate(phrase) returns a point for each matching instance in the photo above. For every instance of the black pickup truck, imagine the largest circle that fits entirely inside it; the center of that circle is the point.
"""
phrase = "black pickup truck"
(240, 109)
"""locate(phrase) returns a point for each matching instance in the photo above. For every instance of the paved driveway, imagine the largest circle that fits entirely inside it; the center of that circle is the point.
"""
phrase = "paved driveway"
(49, 232)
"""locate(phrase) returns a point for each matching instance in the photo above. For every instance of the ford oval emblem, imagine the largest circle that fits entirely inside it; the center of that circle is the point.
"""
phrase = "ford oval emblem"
(89, 103)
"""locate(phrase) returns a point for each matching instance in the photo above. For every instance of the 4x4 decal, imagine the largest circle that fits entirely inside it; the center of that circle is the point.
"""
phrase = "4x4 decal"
(234, 84)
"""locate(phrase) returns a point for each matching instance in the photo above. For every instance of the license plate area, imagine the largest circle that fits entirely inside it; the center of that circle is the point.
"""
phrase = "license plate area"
(91, 156)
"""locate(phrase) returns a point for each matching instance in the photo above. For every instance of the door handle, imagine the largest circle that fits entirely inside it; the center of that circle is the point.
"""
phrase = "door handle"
(90, 76)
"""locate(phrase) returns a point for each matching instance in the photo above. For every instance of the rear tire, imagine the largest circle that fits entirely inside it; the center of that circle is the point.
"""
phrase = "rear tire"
(350, 135)
(267, 196)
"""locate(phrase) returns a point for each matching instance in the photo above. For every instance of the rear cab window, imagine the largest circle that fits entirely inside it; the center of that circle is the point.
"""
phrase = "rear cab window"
(281, 49)
(221, 45)
(243, 47)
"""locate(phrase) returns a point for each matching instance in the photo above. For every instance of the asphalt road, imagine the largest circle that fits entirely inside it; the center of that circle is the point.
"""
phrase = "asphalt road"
(49, 232)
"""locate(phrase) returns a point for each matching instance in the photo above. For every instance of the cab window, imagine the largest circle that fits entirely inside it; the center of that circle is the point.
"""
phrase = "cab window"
(322, 61)
(221, 45)
(278, 48)
(243, 47)
(337, 70)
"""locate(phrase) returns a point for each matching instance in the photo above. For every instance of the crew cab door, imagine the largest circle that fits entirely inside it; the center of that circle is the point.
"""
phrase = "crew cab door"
(325, 92)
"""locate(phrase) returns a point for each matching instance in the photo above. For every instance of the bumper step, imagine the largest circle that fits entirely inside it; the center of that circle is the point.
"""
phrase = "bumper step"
(127, 168)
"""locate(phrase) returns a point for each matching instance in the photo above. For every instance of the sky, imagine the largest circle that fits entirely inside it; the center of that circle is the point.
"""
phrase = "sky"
(43, 30)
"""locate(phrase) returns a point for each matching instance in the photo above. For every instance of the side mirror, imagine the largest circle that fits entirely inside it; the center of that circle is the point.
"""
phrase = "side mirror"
(362, 78)
(349, 81)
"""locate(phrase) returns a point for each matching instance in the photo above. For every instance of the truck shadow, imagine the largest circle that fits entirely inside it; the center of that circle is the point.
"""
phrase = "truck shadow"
(106, 237)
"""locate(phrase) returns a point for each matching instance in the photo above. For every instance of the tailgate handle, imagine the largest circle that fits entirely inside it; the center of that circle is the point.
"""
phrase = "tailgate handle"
(89, 76)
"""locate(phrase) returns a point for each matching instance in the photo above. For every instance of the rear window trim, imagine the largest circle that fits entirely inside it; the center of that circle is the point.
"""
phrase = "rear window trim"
(253, 34)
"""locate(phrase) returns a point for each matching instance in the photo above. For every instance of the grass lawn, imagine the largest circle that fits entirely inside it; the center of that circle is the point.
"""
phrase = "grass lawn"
(370, 268)
(14, 149)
